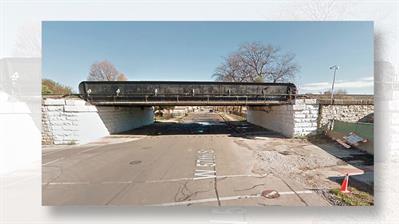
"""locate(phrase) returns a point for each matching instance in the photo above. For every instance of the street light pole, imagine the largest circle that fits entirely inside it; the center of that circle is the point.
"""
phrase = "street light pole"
(335, 67)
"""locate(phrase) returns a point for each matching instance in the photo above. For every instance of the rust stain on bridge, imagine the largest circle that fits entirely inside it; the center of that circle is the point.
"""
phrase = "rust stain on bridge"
(158, 93)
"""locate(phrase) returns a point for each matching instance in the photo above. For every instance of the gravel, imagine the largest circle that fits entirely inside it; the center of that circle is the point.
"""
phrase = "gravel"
(295, 158)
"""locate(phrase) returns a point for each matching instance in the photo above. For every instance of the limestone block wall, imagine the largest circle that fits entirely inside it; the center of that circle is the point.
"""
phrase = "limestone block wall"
(59, 123)
(307, 116)
(296, 120)
(47, 135)
(344, 112)
(73, 121)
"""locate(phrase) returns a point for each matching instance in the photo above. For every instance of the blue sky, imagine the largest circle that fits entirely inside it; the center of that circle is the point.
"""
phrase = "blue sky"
(192, 50)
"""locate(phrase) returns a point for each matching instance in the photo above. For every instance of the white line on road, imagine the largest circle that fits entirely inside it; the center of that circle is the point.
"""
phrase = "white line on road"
(155, 181)
(78, 153)
(91, 146)
(66, 183)
(90, 149)
(179, 179)
(53, 161)
(226, 198)
(45, 153)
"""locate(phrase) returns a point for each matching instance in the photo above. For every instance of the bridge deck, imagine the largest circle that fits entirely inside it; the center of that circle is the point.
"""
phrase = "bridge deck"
(151, 93)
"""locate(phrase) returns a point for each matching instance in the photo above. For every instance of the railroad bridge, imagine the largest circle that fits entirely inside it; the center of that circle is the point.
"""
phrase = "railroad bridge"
(113, 107)
(172, 93)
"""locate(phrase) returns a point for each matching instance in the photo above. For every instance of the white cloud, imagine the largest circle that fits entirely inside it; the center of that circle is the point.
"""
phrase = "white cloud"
(363, 84)
(370, 78)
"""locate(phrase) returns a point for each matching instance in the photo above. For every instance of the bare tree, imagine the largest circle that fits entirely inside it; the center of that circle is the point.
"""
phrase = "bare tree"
(284, 68)
(233, 70)
(103, 71)
(254, 62)
(257, 57)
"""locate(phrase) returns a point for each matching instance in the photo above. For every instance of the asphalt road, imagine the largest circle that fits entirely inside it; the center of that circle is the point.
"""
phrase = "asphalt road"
(190, 163)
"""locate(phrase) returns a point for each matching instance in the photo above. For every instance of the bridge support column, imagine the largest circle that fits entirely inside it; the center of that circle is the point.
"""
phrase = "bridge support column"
(73, 121)
(120, 119)
(294, 120)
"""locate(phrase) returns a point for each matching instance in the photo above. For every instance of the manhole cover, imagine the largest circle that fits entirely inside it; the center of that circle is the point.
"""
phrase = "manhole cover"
(270, 194)
(134, 162)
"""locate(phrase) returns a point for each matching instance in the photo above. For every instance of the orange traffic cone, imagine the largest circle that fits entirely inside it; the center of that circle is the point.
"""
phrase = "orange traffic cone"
(344, 186)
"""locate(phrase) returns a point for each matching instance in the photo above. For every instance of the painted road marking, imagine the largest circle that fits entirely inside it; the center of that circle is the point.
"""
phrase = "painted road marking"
(92, 146)
(78, 153)
(205, 165)
(67, 183)
(153, 181)
(226, 198)
(204, 174)
(48, 163)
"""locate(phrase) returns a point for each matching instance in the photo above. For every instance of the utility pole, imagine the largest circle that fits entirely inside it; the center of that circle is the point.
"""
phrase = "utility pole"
(335, 67)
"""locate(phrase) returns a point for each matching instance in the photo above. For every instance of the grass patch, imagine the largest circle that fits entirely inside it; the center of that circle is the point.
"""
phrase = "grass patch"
(355, 198)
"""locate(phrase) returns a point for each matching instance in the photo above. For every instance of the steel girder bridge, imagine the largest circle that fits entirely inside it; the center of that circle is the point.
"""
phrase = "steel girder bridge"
(185, 93)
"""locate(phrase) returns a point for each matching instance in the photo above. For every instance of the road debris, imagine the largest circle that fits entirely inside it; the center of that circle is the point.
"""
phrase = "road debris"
(270, 194)
(354, 139)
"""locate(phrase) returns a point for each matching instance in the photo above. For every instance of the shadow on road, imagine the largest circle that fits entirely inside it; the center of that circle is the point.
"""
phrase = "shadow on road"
(241, 129)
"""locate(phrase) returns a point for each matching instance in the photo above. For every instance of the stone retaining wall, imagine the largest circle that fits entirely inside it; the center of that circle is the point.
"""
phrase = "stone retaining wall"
(70, 121)
(349, 113)
(73, 121)
(296, 120)
(307, 116)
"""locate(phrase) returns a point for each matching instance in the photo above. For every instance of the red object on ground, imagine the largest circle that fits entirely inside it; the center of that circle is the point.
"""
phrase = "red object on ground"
(344, 186)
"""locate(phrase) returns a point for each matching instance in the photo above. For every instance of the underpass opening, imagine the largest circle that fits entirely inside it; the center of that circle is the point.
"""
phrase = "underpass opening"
(146, 94)
(202, 123)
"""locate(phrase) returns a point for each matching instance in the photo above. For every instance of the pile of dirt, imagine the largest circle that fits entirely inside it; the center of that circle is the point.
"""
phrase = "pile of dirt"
(288, 161)
(292, 158)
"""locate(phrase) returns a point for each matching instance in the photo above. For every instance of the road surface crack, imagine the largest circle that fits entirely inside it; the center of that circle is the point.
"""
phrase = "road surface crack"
(300, 198)
(216, 191)
(184, 193)
(118, 193)
(61, 171)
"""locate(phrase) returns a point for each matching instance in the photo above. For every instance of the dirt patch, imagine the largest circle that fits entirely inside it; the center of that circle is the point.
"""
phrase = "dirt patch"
(286, 153)
(289, 161)
(296, 159)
